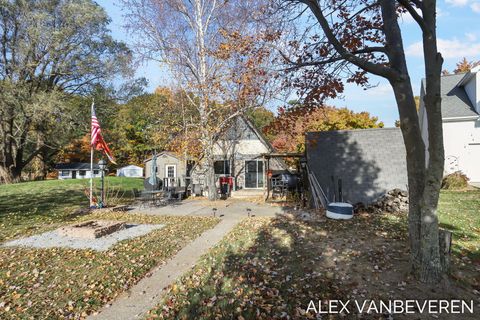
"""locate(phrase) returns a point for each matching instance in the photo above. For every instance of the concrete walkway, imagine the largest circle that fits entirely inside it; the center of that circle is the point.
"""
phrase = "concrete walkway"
(146, 294)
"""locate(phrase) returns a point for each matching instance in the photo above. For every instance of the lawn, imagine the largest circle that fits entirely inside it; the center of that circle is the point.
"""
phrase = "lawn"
(30, 207)
(67, 283)
(272, 268)
(460, 213)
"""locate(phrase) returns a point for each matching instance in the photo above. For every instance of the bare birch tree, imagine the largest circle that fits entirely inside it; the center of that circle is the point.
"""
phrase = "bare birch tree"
(187, 36)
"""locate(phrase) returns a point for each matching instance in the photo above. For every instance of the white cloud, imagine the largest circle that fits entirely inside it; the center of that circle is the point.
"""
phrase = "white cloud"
(475, 7)
(457, 3)
(471, 36)
(381, 90)
(453, 48)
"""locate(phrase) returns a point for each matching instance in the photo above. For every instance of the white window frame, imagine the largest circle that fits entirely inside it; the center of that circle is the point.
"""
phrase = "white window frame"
(174, 170)
(245, 175)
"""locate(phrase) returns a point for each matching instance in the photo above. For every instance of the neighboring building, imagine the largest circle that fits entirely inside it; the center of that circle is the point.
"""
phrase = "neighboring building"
(170, 167)
(130, 171)
(238, 154)
(460, 95)
(76, 170)
(357, 165)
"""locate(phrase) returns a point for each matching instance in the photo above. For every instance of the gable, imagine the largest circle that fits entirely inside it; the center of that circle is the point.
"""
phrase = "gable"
(243, 129)
(455, 100)
(165, 156)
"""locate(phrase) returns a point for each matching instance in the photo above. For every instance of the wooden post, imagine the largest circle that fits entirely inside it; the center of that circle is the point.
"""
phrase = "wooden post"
(445, 246)
(267, 170)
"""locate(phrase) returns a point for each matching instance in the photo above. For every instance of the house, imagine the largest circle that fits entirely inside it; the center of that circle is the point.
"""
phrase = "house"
(130, 171)
(238, 154)
(460, 95)
(170, 168)
(357, 165)
(76, 170)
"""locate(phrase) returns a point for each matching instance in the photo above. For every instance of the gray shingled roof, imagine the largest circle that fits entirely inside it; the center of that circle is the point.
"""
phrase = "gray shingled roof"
(455, 102)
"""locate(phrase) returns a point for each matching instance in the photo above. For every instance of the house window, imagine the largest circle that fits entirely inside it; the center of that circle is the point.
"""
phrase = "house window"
(64, 173)
(254, 176)
(170, 171)
(95, 171)
(82, 173)
(222, 167)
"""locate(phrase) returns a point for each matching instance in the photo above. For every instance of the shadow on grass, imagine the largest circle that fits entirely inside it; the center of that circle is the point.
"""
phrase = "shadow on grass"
(286, 264)
(33, 205)
(275, 270)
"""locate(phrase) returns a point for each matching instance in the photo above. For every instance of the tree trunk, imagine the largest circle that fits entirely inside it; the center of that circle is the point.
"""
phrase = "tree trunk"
(10, 174)
(432, 268)
(211, 183)
(424, 185)
(424, 179)
(415, 153)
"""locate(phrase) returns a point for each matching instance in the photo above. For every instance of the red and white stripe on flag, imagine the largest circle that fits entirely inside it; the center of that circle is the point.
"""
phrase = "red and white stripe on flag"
(97, 140)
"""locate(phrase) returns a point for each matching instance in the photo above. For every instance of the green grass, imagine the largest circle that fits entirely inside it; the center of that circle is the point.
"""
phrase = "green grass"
(30, 207)
(65, 283)
(459, 212)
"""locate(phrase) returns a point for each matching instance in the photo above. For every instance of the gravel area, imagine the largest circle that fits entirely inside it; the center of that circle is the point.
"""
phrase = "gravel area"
(53, 239)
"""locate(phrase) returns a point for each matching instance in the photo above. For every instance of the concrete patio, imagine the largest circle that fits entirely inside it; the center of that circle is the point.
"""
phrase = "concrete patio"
(227, 209)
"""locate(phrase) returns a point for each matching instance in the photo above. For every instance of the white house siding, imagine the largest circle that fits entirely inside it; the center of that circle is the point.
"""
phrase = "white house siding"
(462, 148)
(243, 146)
(461, 123)
(78, 176)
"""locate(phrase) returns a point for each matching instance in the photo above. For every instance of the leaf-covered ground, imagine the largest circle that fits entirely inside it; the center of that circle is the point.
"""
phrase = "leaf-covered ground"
(32, 207)
(271, 269)
(68, 283)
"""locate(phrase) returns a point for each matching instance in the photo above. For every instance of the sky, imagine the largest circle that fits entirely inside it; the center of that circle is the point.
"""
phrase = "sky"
(458, 34)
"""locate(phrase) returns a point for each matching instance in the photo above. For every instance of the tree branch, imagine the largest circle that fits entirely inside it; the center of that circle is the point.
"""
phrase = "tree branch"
(376, 69)
(415, 15)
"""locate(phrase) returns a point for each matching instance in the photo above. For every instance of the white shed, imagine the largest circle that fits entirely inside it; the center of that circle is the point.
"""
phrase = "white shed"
(130, 171)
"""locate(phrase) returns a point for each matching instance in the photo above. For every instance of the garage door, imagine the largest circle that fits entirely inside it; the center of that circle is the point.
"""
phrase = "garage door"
(473, 154)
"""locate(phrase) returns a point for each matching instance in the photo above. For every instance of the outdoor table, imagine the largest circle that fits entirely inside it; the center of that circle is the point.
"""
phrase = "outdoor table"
(153, 195)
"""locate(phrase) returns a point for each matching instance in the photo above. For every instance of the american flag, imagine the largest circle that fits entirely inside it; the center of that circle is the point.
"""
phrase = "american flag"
(97, 140)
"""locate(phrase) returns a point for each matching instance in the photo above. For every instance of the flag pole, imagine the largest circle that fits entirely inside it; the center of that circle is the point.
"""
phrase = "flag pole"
(91, 157)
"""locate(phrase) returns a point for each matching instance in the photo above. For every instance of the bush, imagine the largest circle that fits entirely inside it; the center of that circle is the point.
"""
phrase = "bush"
(455, 181)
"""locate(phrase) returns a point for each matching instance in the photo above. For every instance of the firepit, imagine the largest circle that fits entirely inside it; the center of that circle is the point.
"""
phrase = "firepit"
(92, 229)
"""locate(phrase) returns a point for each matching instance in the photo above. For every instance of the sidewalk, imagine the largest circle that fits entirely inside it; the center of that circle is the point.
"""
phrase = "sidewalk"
(146, 294)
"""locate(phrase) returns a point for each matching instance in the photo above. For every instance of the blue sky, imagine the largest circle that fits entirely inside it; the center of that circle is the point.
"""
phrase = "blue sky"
(458, 36)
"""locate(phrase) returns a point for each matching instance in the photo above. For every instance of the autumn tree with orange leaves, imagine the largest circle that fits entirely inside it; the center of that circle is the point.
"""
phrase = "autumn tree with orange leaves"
(462, 66)
(289, 127)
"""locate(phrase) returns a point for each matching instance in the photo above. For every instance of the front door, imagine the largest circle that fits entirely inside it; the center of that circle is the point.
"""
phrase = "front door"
(254, 176)
(74, 174)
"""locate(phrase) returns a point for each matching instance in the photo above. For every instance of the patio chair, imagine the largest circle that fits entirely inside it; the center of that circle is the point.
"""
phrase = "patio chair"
(144, 199)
